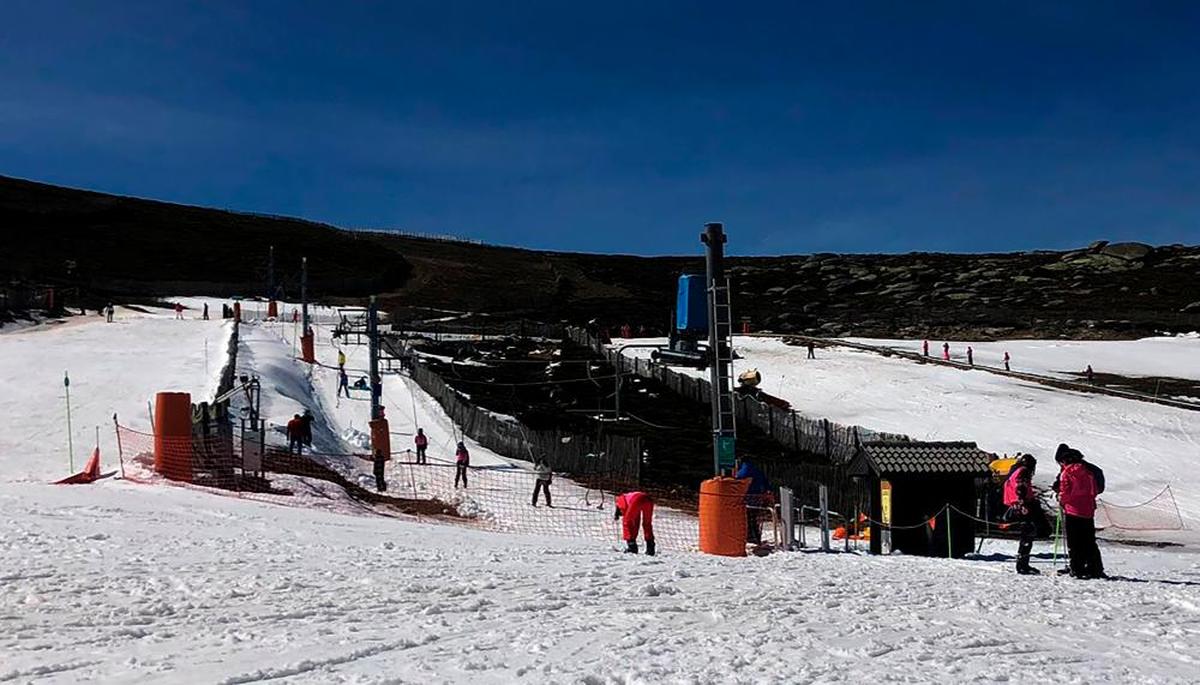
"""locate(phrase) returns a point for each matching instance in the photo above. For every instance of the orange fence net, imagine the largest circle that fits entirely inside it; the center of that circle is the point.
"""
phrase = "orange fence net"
(493, 497)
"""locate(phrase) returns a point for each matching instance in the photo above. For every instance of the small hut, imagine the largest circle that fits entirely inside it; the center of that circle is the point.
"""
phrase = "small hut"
(912, 485)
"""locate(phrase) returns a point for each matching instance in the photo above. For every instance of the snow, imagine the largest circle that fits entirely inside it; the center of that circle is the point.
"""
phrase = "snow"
(117, 582)
(1141, 446)
(114, 368)
(1165, 356)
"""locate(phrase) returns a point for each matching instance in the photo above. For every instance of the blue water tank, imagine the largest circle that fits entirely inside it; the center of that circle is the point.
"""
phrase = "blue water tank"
(691, 305)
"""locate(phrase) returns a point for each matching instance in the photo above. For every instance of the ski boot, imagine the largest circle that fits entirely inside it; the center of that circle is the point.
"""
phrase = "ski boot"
(631, 547)
(649, 548)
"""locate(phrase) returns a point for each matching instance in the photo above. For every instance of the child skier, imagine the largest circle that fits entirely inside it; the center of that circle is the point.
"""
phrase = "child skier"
(542, 484)
(422, 443)
(1023, 506)
(462, 459)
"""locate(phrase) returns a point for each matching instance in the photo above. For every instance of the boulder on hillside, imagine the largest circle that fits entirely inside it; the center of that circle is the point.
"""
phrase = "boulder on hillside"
(1127, 251)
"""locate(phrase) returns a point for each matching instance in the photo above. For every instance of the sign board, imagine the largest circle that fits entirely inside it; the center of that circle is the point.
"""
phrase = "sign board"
(725, 452)
(885, 516)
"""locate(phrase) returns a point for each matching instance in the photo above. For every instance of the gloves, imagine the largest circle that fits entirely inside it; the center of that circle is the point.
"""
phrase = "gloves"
(616, 514)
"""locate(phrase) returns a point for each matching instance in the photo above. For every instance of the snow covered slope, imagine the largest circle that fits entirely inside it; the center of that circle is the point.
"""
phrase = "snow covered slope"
(114, 368)
(121, 583)
(1141, 446)
(1167, 356)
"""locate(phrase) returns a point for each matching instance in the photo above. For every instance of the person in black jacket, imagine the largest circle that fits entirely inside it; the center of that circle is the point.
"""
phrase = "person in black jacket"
(380, 461)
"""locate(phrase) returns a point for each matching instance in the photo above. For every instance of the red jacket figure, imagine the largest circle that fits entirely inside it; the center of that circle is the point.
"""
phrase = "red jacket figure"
(636, 509)
(1077, 490)
(1018, 489)
(946, 351)
(925, 348)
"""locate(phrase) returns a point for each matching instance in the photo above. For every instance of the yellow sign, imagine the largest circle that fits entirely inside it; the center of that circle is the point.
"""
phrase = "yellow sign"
(885, 503)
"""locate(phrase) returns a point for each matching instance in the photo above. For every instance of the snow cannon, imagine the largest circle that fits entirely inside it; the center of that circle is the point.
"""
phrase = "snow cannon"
(381, 439)
(723, 516)
(173, 435)
(306, 348)
(750, 378)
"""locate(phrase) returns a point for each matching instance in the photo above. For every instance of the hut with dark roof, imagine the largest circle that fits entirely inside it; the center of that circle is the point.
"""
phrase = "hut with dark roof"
(912, 486)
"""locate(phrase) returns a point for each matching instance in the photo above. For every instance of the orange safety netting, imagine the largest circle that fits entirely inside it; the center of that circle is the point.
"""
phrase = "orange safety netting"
(494, 498)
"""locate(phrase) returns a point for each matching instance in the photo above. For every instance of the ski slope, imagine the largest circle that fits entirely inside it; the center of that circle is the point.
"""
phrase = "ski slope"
(1164, 356)
(123, 583)
(1141, 446)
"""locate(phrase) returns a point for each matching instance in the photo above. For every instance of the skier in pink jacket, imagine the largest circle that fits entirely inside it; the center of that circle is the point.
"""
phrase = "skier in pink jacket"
(1023, 507)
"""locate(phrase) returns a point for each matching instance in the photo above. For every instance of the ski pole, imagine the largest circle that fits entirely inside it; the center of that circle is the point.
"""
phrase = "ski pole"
(1057, 533)
(70, 440)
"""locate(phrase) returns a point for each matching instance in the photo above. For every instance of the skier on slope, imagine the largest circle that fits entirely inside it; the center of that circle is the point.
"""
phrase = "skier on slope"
(306, 422)
(343, 383)
(294, 434)
(341, 359)
(542, 484)
(946, 351)
(970, 356)
(925, 348)
(462, 460)
(1006, 360)
(421, 443)
(1023, 508)
(636, 509)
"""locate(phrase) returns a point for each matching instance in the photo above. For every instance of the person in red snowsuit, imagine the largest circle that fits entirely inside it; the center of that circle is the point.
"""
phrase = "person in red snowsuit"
(178, 311)
(946, 351)
(636, 509)
(925, 348)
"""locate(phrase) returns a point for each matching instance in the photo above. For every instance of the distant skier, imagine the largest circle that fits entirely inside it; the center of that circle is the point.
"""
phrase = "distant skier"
(108, 313)
(380, 461)
(925, 348)
(1023, 507)
(343, 383)
(178, 311)
(462, 460)
(1091, 375)
(811, 352)
(341, 359)
(1006, 359)
(294, 434)
(422, 443)
(542, 484)
(758, 495)
(1078, 484)
(626, 331)
(205, 314)
(970, 356)
(946, 351)
(306, 422)
(636, 509)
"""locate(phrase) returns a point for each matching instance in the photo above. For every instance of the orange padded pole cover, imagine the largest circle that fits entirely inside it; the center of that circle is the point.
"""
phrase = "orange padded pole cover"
(173, 435)
(237, 312)
(306, 348)
(723, 516)
(381, 439)
(272, 309)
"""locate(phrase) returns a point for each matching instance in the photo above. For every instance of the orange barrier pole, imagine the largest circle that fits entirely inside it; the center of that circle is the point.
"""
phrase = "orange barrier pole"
(723, 516)
(173, 435)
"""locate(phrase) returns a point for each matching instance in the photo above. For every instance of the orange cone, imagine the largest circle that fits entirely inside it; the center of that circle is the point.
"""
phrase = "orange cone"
(90, 472)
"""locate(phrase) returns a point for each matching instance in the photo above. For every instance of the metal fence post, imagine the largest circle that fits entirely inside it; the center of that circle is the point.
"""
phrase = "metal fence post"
(787, 514)
(823, 497)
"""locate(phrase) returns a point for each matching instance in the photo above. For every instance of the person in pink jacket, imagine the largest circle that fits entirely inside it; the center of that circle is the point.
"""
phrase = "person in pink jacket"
(1023, 507)
(636, 509)
(462, 459)
(1077, 490)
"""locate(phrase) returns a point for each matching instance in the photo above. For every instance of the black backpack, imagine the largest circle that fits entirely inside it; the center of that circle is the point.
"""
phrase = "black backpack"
(1097, 474)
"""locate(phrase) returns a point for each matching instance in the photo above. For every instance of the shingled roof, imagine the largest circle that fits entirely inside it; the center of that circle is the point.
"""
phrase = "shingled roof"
(915, 458)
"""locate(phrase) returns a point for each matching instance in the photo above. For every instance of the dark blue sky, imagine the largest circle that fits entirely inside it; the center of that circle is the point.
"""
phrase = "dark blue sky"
(623, 127)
